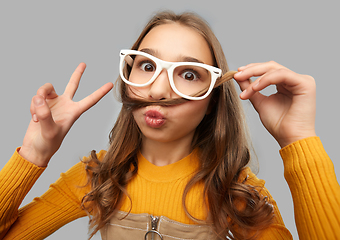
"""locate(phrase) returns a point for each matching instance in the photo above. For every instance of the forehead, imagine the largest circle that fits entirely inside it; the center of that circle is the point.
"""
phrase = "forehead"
(174, 41)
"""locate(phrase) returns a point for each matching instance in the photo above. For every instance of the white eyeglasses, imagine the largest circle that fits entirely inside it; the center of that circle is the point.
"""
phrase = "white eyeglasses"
(190, 80)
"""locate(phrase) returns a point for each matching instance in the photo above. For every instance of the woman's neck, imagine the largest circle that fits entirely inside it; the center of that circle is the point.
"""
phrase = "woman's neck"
(164, 153)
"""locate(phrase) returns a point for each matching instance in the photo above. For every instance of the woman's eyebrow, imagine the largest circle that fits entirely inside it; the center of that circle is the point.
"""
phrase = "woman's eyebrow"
(190, 59)
(149, 51)
(180, 58)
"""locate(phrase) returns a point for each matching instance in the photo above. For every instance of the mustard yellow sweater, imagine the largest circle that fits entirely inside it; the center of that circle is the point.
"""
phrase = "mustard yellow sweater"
(158, 191)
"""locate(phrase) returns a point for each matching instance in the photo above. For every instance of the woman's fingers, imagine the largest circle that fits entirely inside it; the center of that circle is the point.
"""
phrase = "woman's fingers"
(73, 84)
(270, 73)
(257, 69)
(54, 115)
(47, 91)
(92, 99)
(286, 81)
(289, 113)
(254, 70)
(43, 115)
(248, 93)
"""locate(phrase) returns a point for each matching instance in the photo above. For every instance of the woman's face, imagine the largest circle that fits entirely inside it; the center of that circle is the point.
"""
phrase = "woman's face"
(175, 43)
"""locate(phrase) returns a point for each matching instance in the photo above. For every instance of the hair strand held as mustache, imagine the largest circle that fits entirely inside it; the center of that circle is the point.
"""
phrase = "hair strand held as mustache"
(135, 103)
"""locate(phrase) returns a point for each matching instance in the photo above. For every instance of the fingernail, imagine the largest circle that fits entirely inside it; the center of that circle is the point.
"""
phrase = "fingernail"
(243, 93)
(238, 73)
(38, 101)
(256, 84)
(34, 117)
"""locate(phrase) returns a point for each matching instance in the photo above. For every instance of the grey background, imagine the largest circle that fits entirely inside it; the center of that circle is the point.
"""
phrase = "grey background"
(44, 41)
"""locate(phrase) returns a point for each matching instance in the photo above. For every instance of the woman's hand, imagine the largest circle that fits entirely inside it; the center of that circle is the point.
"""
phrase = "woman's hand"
(289, 114)
(53, 116)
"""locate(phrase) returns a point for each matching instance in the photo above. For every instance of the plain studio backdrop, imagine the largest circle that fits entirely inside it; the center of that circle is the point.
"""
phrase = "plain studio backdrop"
(44, 41)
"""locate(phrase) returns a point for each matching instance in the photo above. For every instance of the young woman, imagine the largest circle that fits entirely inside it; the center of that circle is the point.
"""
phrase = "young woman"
(176, 167)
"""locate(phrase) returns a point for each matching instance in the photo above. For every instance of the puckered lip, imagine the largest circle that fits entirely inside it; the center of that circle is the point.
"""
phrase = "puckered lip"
(154, 118)
(154, 114)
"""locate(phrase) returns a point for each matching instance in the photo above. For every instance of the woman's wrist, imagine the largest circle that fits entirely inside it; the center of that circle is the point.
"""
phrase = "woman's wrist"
(34, 157)
(285, 142)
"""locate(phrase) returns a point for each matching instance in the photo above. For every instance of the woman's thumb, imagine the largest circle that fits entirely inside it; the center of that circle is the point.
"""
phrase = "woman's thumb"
(43, 115)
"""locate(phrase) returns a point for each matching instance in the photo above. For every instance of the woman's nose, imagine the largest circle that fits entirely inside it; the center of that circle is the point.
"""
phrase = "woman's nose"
(161, 88)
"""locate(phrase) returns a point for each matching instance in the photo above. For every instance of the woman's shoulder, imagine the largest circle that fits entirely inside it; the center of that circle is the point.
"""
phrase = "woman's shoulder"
(83, 165)
(78, 173)
(100, 156)
(247, 176)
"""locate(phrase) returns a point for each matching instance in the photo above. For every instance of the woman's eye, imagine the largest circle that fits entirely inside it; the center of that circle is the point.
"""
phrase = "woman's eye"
(188, 75)
(147, 67)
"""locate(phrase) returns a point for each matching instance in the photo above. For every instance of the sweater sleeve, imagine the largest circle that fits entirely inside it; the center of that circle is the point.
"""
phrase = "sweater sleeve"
(315, 191)
(16, 179)
(60, 205)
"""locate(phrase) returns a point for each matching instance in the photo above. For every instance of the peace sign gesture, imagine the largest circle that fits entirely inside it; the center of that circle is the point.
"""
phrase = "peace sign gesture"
(53, 116)
(289, 114)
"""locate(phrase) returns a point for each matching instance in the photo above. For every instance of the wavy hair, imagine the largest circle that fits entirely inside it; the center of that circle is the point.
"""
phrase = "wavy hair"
(221, 139)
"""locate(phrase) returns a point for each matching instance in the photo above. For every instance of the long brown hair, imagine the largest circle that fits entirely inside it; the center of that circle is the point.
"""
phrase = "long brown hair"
(223, 146)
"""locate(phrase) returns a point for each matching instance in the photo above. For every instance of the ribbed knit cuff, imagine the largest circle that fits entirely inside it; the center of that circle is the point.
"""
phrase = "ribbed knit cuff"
(20, 172)
(16, 179)
(308, 156)
(27, 172)
(316, 194)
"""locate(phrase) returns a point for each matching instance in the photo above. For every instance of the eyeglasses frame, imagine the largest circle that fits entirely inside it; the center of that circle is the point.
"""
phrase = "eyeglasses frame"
(169, 66)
